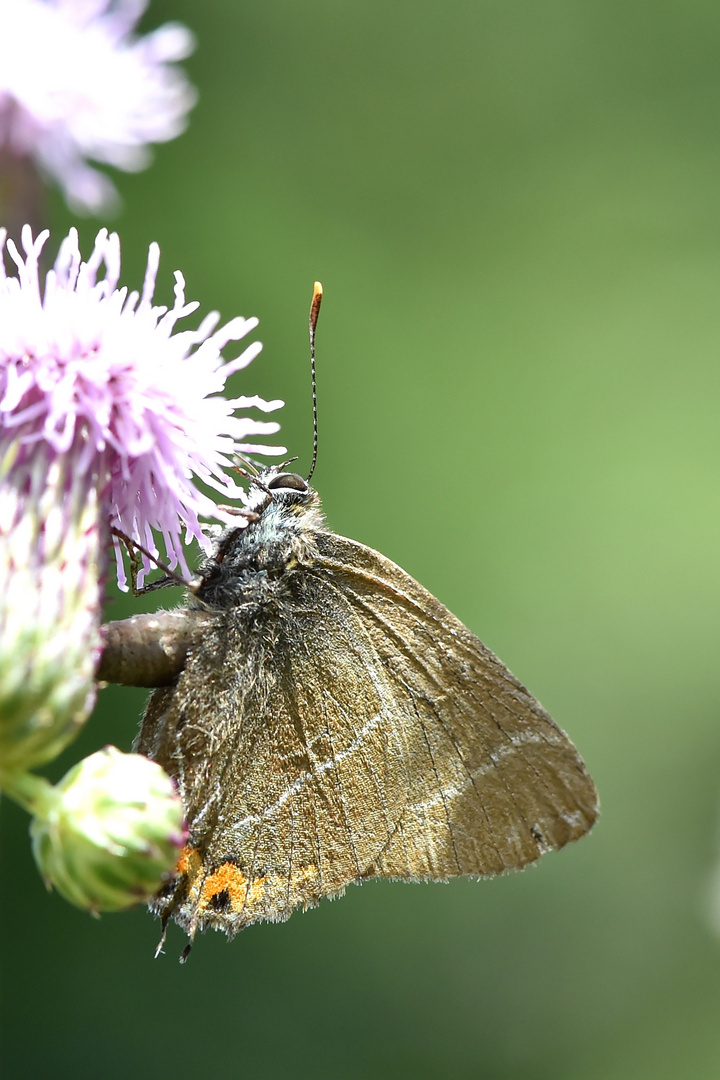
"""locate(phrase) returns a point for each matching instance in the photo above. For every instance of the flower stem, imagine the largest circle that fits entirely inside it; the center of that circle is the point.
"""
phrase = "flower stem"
(33, 793)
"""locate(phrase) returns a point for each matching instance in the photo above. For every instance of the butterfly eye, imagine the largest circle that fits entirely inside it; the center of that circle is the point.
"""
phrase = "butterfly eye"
(287, 480)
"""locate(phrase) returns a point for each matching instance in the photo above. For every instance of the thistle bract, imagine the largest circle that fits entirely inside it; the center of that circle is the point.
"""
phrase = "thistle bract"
(110, 832)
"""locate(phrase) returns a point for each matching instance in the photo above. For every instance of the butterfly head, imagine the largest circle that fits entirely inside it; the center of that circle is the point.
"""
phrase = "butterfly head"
(284, 516)
(276, 487)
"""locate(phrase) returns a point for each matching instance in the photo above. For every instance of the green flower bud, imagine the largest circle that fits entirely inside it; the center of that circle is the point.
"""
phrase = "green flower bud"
(109, 833)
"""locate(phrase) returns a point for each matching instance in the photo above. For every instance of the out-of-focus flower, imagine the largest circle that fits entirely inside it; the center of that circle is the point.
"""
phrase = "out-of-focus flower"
(107, 835)
(76, 84)
(106, 413)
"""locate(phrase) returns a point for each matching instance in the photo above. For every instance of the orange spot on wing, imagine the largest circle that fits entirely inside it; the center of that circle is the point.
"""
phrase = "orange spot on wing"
(227, 889)
(231, 880)
(189, 863)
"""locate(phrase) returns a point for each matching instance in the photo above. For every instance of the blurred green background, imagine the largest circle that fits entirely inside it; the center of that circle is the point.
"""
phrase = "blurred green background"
(515, 210)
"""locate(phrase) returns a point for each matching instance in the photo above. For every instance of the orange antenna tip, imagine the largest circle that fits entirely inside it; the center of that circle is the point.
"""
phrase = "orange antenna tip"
(315, 305)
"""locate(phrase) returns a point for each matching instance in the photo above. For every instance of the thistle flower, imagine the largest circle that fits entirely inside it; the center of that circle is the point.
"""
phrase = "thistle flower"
(76, 84)
(106, 412)
(109, 832)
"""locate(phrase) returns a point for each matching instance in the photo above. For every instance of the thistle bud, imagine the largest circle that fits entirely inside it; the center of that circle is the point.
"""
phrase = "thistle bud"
(109, 833)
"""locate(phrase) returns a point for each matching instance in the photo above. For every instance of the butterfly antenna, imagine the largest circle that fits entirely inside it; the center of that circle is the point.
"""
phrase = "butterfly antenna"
(314, 312)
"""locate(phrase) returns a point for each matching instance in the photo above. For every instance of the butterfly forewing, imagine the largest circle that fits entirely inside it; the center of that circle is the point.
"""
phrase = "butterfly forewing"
(492, 781)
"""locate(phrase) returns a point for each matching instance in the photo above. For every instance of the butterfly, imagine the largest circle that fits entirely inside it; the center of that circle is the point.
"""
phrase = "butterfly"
(328, 721)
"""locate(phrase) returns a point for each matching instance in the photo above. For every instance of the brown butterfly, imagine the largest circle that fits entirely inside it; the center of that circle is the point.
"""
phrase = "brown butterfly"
(333, 722)
(327, 720)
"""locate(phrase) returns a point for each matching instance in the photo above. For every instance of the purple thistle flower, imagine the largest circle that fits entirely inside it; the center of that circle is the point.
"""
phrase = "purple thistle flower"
(76, 84)
(106, 413)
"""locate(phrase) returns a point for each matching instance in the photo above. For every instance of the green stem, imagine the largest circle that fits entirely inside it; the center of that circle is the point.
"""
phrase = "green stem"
(33, 793)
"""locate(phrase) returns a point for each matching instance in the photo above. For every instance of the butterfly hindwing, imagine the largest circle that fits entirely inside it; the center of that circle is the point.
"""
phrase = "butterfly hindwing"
(303, 788)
